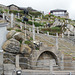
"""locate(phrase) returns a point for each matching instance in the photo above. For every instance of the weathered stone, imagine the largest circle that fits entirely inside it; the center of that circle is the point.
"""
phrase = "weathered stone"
(12, 46)
(10, 34)
(19, 36)
(9, 69)
(28, 37)
(17, 27)
(25, 49)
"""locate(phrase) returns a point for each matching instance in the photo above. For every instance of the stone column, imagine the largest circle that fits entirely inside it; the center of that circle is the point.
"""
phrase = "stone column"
(62, 35)
(18, 15)
(20, 25)
(3, 16)
(62, 62)
(37, 30)
(74, 32)
(41, 17)
(51, 67)
(1, 57)
(38, 16)
(33, 32)
(1, 62)
(17, 62)
(48, 33)
(25, 31)
(30, 29)
(68, 33)
(12, 20)
(57, 41)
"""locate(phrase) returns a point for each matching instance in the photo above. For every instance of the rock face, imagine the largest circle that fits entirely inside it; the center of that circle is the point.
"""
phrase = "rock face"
(25, 49)
(19, 36)
(12, 46)
(10, 34)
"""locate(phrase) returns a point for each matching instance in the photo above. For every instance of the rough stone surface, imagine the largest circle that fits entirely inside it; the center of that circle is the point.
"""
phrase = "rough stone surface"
(9, 69)
(10, 34)
(12, 46)
(25, 49)
(19, 36)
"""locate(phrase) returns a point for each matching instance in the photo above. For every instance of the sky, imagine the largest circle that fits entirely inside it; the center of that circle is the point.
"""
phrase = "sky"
(45, 5)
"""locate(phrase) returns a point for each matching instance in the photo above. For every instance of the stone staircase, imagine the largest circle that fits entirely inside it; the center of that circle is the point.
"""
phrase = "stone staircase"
(46, 72)
(63, 44)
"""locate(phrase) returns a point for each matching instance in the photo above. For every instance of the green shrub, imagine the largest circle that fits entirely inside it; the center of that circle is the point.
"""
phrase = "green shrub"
(9, 29)
(17, 25)
(20, 41)
(35, 13)
(30, 22)
(18, 30)
(31, 38)
(27, 42)
(1, 11)
(19, 20)
(13, 11)
(36, 24)
(52, 30)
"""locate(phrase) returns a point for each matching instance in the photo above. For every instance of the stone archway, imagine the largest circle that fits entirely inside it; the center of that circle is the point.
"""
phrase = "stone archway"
(45, 57)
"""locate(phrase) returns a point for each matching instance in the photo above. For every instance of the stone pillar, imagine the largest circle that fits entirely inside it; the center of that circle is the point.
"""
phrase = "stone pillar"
(41, 17)
(1, 57)
(30, 29)
(62, 62)
(17, 62)
(62, 35)
(38, 16)
(48, 33)
(20, 25)
(33, 32)
(51, 67)
(57, 41)
(18, 15)
(25, 31)
(74, 32)
(37, 30)
(12, 20)
(3, 16)
(68, 33)
(1, 62)
(49, 19)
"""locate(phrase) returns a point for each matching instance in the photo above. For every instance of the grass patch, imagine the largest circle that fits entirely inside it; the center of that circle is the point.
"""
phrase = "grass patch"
(18, 30)
(9, 29)
(18, 20)
(27, 42)
(31, 38)
(36, 23)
